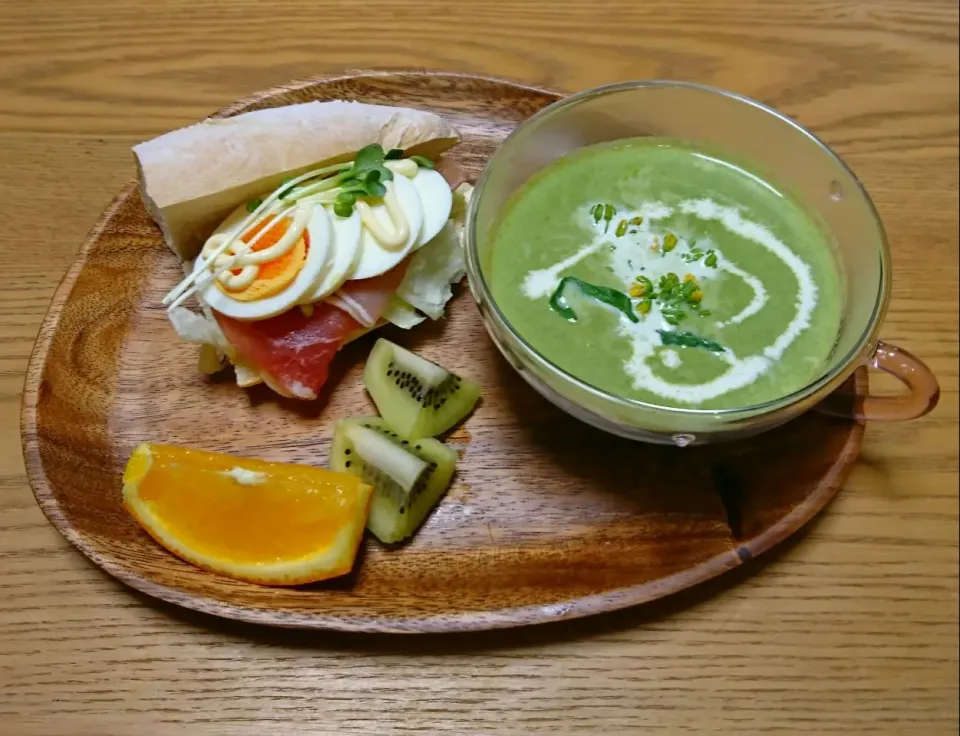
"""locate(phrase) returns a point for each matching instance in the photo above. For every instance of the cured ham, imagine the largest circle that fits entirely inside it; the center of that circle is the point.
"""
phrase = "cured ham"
(294, 350)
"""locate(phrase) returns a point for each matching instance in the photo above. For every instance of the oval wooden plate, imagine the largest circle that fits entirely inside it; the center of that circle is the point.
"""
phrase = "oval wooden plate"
(547, 518)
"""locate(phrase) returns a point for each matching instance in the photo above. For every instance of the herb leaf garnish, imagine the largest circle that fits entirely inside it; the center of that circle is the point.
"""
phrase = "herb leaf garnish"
(616, 299)
(369, 158)
(689, 340)
(364, 179)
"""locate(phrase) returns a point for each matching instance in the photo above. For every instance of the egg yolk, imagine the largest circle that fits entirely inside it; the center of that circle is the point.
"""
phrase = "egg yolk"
(276, 275)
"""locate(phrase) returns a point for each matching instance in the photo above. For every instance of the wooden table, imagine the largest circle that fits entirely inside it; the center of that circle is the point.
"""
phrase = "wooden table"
(851, 628)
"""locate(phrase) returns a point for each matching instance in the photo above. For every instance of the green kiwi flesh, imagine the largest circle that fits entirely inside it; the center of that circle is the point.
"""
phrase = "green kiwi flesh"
(408, 476)
(415, 397)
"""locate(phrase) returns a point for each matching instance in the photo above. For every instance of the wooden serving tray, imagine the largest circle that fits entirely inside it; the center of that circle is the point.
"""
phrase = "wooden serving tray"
(547, 519)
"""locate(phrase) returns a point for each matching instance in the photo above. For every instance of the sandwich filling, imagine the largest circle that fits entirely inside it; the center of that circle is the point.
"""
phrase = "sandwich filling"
(285, 281)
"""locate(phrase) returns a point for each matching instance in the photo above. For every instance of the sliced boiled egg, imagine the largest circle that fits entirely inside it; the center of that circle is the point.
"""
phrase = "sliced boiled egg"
(318, 251)
(436, 198)
(346, 252)
(275, 275)
(376, 259)
(233, 220)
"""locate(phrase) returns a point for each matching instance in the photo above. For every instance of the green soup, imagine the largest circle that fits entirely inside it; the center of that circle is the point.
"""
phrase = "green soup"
(695, 282)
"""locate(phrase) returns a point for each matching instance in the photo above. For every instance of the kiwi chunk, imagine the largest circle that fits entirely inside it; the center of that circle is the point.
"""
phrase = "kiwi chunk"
(415, 397)
(408, 476)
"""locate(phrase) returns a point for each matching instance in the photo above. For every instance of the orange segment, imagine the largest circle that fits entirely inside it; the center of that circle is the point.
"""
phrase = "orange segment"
(268, 523)
(276, 275)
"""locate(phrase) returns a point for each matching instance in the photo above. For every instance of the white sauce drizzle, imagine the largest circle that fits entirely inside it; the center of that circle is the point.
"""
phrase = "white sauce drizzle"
(542, 282)
(670, 358)
(631, 255)
(807, 293)
(759, 300)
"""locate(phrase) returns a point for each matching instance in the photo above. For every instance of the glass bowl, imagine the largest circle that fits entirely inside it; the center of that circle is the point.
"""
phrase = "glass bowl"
(782, 149)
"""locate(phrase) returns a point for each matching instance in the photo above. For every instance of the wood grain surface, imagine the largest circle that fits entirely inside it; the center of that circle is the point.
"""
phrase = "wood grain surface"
(853, 630)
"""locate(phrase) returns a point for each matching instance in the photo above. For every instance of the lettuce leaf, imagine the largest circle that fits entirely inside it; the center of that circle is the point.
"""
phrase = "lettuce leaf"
(197, 328)
(401, 314)
(438, 264)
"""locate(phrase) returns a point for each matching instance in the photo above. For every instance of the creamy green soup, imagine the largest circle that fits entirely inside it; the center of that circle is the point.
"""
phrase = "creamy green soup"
(660, 271)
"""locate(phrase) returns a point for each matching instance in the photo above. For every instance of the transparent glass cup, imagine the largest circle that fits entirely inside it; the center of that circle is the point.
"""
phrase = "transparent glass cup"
(783, 150)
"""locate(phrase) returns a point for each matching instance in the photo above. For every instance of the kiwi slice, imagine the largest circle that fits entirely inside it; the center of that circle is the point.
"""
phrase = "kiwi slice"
(408, 476)
(415, 397)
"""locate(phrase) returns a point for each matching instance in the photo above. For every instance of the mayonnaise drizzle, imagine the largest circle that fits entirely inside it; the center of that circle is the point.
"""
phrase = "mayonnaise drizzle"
(630, 252)
(240, 254)
(224, 254)
(396, 231)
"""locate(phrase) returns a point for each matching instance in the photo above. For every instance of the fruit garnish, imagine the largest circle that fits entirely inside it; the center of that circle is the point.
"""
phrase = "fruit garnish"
(415, 397)
(263, 522)
(408, 476)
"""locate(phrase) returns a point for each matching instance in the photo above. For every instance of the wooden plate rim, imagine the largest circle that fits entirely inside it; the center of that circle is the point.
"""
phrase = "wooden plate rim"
(466, 621)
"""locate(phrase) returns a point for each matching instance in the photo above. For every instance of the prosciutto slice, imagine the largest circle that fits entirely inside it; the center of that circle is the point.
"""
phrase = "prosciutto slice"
(294, 350)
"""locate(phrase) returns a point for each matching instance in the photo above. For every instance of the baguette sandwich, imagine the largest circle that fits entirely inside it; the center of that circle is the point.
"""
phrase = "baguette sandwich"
(303, 227)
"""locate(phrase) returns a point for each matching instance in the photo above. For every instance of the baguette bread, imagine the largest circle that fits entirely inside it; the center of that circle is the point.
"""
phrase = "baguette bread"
(192, 178)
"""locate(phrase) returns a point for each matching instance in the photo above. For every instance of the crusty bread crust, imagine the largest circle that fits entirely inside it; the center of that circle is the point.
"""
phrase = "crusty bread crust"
(191, 178)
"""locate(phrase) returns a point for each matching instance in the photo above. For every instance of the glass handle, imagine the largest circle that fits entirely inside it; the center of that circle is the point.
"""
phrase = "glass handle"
(921, 396)
(923, 391)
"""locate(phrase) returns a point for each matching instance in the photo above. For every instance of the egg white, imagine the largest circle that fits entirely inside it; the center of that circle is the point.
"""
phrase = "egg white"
(345, 254)
(374, 258)
(436, 199)
(232, 221)
(319, 230)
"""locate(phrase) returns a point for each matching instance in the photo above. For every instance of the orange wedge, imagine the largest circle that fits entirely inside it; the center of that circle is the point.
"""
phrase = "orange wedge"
(267, 523)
